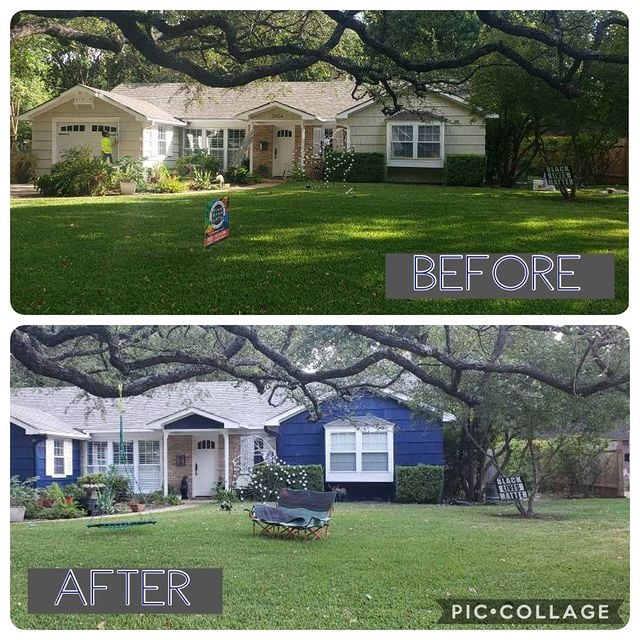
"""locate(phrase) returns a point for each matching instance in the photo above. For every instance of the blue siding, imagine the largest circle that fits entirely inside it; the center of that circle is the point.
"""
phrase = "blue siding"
(28, 458)
(22, 462)
(194, 422)
(417, 439)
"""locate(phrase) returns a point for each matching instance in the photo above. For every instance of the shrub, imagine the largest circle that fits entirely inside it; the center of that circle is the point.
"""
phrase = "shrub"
(354, 167)
(186, 165)
(465, 170)
(79, 174)
(23, 166)
(267, 478)
(421, 483)
(60, 511)
(128, 169)
(169, 185)
(202, 180)
(22, 492)
(315, 476)
(240, 175)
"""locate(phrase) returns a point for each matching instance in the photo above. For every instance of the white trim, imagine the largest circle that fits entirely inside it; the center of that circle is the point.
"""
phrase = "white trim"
(277, 104)
(225, 435)
(67, 448)
(183, 413)
(213, 123)
(30, 430)
(165, 464)
(358, 107)
(54, 131)
(426, 163)
(342, 426)
(48, 458)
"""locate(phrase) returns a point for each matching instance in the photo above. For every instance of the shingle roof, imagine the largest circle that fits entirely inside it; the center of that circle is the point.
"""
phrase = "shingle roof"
(323, 99)
(41, 421)
(240, 403)
(147, 109)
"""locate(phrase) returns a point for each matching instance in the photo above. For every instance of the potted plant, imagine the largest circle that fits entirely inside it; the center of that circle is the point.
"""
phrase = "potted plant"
(128, 172)
(136, 505)
(22, 494)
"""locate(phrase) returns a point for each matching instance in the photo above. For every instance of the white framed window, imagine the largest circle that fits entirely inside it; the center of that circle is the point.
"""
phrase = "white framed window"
(358, 454)
(127, 454)
(148, 452)
(58, 457)
(97, 457)
(192, 140)
(215, 144)
(323, 138)
(415, 144)
(162, 140)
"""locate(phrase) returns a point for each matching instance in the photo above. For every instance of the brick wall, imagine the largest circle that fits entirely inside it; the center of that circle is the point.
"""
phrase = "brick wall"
(176, 445)
(234, 452)
(263, 133)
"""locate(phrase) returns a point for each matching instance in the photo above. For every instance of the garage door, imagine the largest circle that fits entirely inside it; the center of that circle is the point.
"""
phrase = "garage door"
(72, 135)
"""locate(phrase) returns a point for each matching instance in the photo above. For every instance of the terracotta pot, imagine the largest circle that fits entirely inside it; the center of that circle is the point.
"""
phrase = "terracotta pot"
(137, 506)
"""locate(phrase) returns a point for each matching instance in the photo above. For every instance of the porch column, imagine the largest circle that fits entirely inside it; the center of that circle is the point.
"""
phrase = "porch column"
(225, 435)
(165, 463)
(250, 134)
(302, 132)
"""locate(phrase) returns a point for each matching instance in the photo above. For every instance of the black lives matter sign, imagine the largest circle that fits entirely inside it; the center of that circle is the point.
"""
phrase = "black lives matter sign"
(511, 488)
(559, 175)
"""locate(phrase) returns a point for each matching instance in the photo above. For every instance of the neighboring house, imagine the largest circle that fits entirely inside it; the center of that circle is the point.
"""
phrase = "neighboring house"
(214, 432)
(274, 124)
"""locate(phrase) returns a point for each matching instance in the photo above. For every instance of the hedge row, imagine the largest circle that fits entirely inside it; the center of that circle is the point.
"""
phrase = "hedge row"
(465, 170)
(354, 167)
(421, 483)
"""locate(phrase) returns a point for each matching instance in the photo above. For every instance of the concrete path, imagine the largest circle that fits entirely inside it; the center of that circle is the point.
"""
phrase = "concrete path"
(23, 191)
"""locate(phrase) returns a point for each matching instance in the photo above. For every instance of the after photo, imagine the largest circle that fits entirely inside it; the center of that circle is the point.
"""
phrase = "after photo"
(319, 477)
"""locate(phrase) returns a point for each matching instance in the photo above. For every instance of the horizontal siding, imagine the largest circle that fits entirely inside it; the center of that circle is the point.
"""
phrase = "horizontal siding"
(194, 422)
(21, 453)
(417, 440)
(464, 133)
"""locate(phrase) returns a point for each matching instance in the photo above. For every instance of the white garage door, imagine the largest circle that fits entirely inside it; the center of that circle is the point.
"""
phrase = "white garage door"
(72, 135)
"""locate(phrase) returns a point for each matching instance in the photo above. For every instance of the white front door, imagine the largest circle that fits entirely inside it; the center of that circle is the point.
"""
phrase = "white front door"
(205, 471)
(283, 145)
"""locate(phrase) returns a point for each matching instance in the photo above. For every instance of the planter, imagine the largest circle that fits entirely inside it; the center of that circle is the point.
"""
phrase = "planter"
(127, 188)
(17, 514)
(136, 507)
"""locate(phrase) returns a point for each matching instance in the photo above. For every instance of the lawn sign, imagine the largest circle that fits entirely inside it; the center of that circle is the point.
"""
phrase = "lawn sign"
(216, 220)
(559, 175)
(511, 488)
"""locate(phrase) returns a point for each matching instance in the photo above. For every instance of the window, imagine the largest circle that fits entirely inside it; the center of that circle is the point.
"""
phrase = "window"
(58, 457)
(359, 454)
(127, 454)
(215, 144)
(416, 145)
(103, 127)
(162, 140)
(97, 457)
(149, 452)
(258, 450)
(206, 444)
(323, 138)
(192, 140)
(284, 133)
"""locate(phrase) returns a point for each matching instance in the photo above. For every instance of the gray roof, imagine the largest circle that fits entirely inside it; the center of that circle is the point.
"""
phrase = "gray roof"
(147, 109)
(41, 422)
(322, 99)
(238, 402)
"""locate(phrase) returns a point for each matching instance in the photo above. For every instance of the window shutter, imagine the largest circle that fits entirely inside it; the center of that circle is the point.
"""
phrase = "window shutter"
(169, 143)
(68, 457)
(317, 139)
(48, 457)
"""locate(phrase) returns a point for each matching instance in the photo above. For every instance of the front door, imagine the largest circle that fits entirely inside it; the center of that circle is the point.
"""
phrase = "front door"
(205, 472)
(283, 146)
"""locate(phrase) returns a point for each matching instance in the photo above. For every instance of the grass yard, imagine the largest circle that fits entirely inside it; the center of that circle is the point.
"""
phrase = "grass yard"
(291, 250)
(383, 566)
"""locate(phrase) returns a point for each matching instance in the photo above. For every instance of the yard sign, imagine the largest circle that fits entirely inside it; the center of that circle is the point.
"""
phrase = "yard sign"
(559, 175)
(511, 488)
(216, 220)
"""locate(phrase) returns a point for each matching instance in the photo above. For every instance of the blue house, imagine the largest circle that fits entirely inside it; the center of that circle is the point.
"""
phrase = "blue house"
(213, 433)
(360, 443)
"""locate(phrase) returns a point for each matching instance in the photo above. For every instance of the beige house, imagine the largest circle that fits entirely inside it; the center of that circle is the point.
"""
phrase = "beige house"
(276, 125)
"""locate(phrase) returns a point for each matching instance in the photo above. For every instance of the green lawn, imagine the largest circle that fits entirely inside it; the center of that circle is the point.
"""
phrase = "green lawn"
(291, 250)
(383, 566)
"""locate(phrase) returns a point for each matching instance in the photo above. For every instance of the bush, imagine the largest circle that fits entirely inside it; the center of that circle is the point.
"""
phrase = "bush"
(186, 165)
(202, 180)
(169, 185)
(465, 170)
(354, 167)
(240, 175)
(421, 483)
(267, 478)
(23, 166)
(60, 511)
(128, 169)
(79, 174)
(315, 476)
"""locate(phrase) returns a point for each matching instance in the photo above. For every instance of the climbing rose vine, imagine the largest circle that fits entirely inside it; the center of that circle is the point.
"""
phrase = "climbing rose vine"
(267, 478)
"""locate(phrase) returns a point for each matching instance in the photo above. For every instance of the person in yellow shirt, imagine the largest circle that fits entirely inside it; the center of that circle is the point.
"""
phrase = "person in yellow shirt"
(105, 146)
